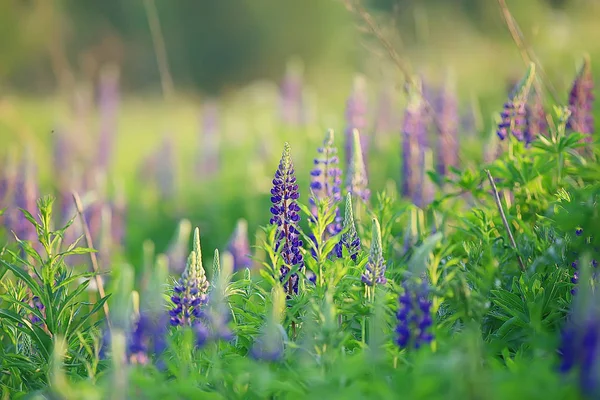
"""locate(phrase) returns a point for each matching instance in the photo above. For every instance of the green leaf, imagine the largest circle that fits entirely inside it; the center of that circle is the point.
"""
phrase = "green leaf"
(41, 338)
(24, 276)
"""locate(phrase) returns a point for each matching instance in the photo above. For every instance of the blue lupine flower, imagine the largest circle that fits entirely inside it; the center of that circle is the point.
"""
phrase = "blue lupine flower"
(513, 120)
(580, 347)
(285, 216)
(581, 100)
(349, 239)
(414, 317)
(357, 182)
(326, 181)
(514, 115)
(375, 268)
(190, 292)
(149, 337)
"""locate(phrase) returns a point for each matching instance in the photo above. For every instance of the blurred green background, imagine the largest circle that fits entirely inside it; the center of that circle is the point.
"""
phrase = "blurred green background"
(52, 53)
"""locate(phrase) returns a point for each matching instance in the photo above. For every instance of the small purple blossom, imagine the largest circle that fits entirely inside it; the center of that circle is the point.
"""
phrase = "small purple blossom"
(581, 100)
(513, 120)
(580, 346)
(414, 317)
(148, 338)
(326, 181)
(190, 292)
(284, 195)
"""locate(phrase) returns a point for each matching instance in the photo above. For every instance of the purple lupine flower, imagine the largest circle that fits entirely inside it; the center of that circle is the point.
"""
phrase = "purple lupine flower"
(108, 105)
(349, 239)
(37, 303)
(536, 120)
(190, 292)
(414, 128)
(581, 99)
(356, 118)
(291, 95)
(208, 155)
(414, 317)
(513, 120)
(375, 268)
(580, 347)
(239, 246)
(284, 195)
(148, 338)
(357, 182)
(326, 181)
(446, 108)
(514, 114)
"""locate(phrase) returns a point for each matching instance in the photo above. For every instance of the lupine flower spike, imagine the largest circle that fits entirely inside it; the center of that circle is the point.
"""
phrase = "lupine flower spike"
(536, 119)
(239, 246)
(581, 99)
(414, 317)
(579, 345)
(190, 292)
(514, 114)
(326, 181)
(375, 269)
(284, 195)
(349, 239)
(357, 182)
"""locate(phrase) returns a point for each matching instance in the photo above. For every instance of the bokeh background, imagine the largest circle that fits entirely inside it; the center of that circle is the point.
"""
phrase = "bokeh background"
(201, 139)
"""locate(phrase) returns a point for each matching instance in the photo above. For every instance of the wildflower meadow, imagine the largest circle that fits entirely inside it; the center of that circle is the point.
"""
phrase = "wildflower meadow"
(404, 246)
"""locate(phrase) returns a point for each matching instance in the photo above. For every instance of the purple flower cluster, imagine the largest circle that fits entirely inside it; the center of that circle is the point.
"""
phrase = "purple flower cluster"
(148, 337)
(513, 120)
(445, 105)
(284, 195)
(414, 317)
(190, 292)
(326, 181)
(375, 268)
(581, 99)
(580, 343)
